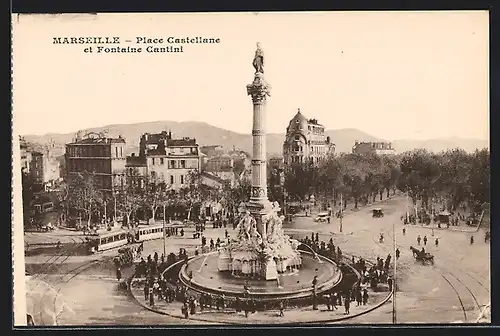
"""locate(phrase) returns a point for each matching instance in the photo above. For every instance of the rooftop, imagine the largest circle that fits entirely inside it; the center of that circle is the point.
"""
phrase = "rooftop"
(97, 141)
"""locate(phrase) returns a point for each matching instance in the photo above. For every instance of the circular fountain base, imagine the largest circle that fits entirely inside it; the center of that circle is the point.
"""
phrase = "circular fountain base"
(201, 275)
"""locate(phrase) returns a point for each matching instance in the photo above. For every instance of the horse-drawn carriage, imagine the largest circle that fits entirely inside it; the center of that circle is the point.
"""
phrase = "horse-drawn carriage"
(377, 213)
(422, 256)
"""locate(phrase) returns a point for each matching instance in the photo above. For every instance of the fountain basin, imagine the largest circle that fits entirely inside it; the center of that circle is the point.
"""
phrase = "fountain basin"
(201, 275)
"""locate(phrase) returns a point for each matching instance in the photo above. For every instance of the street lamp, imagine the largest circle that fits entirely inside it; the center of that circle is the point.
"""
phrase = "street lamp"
(394, 288)
(114, 214)
(341, 212)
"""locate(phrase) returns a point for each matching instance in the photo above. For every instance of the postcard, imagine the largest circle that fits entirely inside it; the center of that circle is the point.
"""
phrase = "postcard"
(251, 168)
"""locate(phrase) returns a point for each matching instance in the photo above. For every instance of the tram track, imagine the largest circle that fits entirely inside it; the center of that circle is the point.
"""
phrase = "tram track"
(458, 296)
(448, 274)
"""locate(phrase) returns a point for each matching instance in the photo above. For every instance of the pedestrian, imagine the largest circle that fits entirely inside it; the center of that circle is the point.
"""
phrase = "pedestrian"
(471, 240)
(347, 304)
(425, 240)
(281, 307)
(389, 282)
(118, 274)
(185, 311)
(151, 297)
(436, 242)
(404, 231)
(365, 296)
(327, 302)
(418, 239)
(146, 292)
(333, 301)
(397, 253)
(328, 219)
(359, 297)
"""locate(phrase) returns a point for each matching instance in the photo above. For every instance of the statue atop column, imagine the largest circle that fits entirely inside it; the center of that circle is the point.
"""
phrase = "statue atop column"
(259, 89)
(258, 60)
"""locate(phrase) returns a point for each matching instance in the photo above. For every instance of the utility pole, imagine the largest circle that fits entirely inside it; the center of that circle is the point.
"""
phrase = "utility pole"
(394, 276)
(114, 213)
(105, 214)
(341, 212)
(164, 231)
(407, 205)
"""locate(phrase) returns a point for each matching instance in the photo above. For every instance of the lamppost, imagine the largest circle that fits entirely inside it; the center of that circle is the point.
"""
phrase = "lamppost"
(341, 212)
(394, 288)
(105, 214)
(114, 214)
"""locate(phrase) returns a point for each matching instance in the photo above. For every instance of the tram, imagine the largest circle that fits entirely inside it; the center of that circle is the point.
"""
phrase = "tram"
(149, 232)
(108, 240)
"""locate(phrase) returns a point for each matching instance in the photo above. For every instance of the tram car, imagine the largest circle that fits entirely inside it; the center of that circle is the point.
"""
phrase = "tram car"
(108, 240)
(149, 232)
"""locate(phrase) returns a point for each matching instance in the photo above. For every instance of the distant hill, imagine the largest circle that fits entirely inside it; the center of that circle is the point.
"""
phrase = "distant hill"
(207, 134)
(437, 145)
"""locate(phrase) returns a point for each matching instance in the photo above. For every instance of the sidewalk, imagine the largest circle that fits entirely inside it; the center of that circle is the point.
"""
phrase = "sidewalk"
(292, 315)
(434, 226)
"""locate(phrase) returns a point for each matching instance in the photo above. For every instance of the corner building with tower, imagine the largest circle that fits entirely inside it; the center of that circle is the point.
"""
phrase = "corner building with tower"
(305, 141)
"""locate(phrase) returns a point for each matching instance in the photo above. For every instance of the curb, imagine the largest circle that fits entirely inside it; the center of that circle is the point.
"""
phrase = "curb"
(338, 319)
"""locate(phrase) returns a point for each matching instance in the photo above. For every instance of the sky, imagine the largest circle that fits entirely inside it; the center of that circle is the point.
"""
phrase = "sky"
(394, 75)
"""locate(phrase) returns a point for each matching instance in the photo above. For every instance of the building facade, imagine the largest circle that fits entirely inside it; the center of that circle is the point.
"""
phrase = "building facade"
(25, 155)
(380, 148)
(36, 168)
(98, 154)
(219, 163)
(305, 141)
(169, 160)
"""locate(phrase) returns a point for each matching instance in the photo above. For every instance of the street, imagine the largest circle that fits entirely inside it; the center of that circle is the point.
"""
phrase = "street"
(83, 289)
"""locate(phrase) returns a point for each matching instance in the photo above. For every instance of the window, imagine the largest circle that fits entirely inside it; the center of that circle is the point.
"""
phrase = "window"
(183, 163)
(172, 179)
(171, 164)
(153, 161)
(116, 151)
(121, 151)
(182, 179)
(161, 161)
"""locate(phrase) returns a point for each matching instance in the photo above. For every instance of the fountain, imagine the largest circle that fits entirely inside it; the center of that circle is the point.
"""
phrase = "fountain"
(261, 254)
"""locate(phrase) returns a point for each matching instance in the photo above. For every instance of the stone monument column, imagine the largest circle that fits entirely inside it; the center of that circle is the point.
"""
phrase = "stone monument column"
(259, 204)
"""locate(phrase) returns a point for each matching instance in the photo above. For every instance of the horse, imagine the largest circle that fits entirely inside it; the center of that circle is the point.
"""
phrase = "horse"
(415, 251)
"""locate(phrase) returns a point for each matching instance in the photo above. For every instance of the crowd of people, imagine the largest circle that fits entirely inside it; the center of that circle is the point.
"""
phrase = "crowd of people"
(369, 275)
(164, 286)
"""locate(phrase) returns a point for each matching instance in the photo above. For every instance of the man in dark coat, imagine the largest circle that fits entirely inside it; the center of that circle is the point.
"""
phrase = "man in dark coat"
(347, 304)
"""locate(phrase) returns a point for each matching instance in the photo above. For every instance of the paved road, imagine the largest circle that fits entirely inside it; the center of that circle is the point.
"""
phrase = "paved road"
(454, 289)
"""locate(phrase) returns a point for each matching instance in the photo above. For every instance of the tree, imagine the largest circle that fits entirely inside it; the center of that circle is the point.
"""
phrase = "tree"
(391, 172)
(196, 192)
(455, 167)
(420, 172)
(239, 167)
(479, 179)
(130, 200)
(84, 194)
(27, 194)
(153, 196)
(301, 179)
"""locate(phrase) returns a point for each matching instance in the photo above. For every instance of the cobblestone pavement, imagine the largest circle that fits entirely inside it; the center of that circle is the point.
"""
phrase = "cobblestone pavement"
(452, 290)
